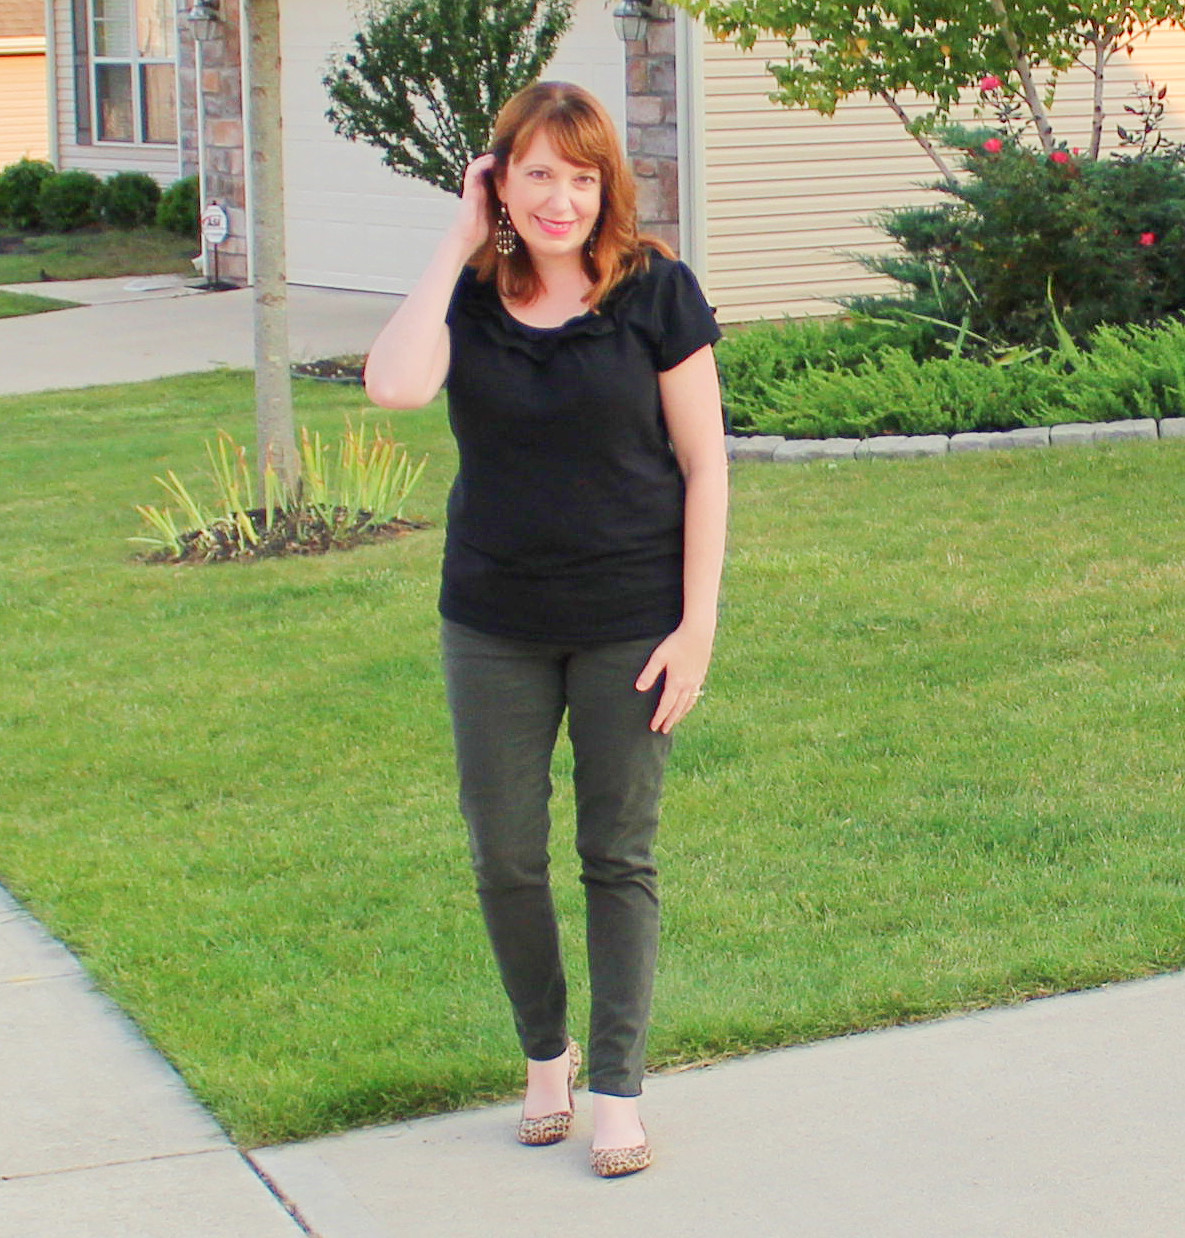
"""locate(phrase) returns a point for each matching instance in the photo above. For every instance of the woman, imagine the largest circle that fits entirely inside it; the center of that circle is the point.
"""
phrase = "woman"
(581, 568)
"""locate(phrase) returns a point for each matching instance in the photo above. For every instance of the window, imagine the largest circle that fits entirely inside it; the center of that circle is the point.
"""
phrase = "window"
(134, 48)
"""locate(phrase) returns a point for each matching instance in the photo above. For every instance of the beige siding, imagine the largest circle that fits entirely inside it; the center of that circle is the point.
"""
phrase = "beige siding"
(24, 125)
(102, 158)
(788, 194)
(107, 157)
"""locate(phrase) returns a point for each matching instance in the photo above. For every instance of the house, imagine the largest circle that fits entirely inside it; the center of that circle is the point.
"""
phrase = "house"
(24, 82)
(766, 204)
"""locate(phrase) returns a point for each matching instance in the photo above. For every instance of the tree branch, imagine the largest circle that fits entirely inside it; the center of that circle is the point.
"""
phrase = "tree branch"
(922, 140)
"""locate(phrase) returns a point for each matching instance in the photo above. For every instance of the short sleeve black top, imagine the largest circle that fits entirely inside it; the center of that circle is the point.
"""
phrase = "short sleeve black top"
(565, 521)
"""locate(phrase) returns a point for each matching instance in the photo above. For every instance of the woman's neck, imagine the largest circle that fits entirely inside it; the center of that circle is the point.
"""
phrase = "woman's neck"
(564, 284)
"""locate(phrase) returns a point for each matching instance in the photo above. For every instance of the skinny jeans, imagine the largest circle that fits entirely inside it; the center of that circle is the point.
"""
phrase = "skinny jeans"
(507, 698)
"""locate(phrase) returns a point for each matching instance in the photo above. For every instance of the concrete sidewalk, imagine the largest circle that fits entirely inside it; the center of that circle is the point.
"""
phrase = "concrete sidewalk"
(1061, 1117)
(99, 1138)
(130, 330)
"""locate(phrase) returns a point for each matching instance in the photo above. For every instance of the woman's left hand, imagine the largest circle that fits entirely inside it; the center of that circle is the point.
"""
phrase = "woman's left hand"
(684, 658)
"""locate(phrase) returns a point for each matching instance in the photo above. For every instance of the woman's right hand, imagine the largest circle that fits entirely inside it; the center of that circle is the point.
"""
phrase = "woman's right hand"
(472, 223)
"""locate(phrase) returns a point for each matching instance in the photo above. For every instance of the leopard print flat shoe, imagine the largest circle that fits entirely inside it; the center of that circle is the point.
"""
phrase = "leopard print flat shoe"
(617, 1162)
(552, 1127)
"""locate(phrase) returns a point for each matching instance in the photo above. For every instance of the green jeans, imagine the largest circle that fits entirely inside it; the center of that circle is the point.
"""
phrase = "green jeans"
(507, 699)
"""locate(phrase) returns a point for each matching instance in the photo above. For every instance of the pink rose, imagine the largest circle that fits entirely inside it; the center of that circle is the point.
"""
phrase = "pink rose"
(993, 146)
(1147, 238)
(989, 82)
(1059, 156)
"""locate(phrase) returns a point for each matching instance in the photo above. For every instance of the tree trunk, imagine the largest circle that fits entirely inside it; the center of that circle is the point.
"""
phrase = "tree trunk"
(1021, 60)
(1103, 42)
(275, 431)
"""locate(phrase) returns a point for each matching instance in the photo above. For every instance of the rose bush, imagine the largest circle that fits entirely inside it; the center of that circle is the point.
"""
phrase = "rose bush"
(1025, 242)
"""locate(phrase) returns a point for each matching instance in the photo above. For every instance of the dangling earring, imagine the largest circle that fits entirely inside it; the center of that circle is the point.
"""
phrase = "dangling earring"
(505, 237)
(591, 244)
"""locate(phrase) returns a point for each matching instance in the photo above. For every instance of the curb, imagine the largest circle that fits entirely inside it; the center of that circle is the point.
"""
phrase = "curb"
(911, 447)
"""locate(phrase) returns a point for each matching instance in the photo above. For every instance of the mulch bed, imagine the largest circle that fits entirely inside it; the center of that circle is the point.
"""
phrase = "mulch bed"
(303, 532)
(332, 369)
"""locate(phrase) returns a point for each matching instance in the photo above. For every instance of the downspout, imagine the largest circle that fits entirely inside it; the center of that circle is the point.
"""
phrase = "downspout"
(198, 65)
(248, 142)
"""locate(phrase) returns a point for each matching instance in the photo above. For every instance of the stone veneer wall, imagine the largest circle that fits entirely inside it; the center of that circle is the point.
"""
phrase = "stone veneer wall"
(652, 126)
(222, 98)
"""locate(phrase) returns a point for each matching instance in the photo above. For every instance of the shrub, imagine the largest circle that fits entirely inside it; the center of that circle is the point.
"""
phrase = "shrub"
(129, 199)
(20, 185)
(426, 78)
(179, 210)
(767, 353)
(69, 200)
(896, 394)
(1130, 371)
(1027, 233)
(1124, 372)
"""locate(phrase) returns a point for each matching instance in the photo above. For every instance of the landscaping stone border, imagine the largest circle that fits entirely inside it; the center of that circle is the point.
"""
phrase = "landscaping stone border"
(909, 447)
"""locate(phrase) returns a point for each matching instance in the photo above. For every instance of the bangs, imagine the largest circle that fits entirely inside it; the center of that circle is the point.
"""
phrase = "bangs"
(577, 135)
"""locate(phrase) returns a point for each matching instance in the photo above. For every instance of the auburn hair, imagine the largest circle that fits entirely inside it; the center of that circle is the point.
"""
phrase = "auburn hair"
(582, 132)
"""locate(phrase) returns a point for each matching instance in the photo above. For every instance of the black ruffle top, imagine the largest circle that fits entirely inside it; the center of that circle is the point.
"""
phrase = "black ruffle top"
(565, 521)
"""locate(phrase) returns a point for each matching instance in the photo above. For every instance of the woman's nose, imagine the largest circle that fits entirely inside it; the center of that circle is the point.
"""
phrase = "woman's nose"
(560, 196)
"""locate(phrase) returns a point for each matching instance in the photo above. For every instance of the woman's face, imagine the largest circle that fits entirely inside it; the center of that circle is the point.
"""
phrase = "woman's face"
(553, 204)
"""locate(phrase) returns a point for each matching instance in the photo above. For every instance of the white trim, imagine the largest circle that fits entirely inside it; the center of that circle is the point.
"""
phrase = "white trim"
(689, 90)
(135, 62)
(52, 116)
(23, 45)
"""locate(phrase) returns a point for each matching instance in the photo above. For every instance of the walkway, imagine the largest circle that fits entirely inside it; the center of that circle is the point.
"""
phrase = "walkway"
(126, 333)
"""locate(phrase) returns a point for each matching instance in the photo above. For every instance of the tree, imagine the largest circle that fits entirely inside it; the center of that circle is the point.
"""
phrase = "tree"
(426, 78)
(938, 49)
(275, 432)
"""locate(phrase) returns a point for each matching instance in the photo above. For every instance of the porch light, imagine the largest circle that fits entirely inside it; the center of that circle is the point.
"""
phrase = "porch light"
(203, 17)
(630, 19)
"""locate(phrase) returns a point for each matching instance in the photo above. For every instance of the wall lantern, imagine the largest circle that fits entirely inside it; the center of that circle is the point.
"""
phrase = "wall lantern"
(203, 17)
(630, 19)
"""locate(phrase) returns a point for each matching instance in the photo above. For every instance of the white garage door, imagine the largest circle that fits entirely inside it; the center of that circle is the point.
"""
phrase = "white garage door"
(352, 223)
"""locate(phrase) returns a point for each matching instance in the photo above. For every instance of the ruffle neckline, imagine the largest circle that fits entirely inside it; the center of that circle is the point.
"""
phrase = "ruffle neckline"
(482, 303)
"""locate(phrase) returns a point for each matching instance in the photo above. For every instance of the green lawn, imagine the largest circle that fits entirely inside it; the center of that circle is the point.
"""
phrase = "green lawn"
(938, 766)
(94, 253)
(17, 304)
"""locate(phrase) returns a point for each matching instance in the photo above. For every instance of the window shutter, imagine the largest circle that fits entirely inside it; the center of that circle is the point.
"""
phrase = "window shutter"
(82, 77)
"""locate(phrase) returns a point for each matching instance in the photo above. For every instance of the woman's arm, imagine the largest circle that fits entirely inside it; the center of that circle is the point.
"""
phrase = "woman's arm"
(409, 360)
(691, 406)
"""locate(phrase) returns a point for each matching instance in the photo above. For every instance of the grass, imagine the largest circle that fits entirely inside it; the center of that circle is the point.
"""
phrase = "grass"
(94, 253)
(17, 304)
(938, 765)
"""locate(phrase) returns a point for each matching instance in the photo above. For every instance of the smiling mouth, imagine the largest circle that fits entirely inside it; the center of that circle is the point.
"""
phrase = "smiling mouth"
(555, 227)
